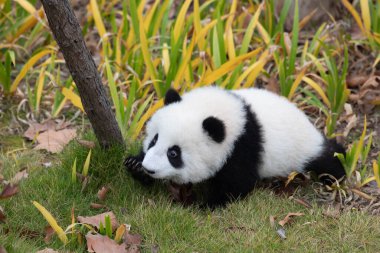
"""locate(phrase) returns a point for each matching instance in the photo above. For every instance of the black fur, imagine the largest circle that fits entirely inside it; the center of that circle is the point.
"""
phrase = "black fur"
(327, 163)
(175, 161)
(214, 128)
(134, 167)
(239, 174)
(172, 96)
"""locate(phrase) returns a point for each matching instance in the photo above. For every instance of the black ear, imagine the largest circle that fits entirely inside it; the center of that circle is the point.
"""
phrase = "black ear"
(172, 96)
(215, 128)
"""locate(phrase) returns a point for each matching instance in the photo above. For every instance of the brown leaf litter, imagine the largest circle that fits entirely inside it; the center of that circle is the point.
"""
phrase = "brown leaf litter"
(95, 220)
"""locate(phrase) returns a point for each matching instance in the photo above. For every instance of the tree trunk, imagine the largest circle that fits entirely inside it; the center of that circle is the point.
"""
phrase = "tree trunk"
(67, 32)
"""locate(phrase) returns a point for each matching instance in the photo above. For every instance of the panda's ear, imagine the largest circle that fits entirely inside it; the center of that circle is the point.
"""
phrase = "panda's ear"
(172, 96)
(214, 128)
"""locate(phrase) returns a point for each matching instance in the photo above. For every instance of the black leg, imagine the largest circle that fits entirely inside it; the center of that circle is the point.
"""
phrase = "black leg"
(134, 167)
(327, 163)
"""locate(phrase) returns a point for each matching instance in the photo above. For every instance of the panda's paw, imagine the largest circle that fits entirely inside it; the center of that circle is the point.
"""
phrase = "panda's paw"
(133, 165)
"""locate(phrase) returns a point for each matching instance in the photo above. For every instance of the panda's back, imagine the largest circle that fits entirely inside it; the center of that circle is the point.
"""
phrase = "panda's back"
(290, 139)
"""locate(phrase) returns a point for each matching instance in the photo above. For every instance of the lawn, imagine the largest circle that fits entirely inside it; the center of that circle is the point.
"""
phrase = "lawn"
(328, 65)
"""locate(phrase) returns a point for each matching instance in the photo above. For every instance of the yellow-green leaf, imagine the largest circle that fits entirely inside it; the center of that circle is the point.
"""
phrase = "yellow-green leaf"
(120, 232)
(165, 58)
(318, 89)
(229, 66)
(184, 64)
(86, 164)
(40, 86)
(376, 172)
(74, 98)
(30, 63)
(53, 223)
(354, 14)
(296, 83)
(74, 171)
(98, 19)
(366, 15)
(179, 24)
(27, 6)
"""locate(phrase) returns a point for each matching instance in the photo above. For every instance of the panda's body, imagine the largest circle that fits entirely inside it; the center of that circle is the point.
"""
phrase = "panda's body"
(231, 139)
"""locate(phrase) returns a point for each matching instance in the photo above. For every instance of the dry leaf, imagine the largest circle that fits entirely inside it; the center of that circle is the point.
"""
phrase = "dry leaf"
(272, 221)
(54, 141)
(102, 193)
(288, 218)
(8, 191)
(2, 249)
(49, 232)
(35, 128)
(356, 80)
(133, 249)
(2, 215)
(95, 220)
(303, 202)
(87, 144)
(19, 176)
(134, 239)
(47, 250)
(102, 244)
(97, 206)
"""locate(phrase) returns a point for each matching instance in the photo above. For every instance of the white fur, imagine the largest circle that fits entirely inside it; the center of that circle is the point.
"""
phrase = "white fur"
(290, 140)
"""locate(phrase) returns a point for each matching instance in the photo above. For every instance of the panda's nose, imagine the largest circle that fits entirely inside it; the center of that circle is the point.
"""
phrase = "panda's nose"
(150, 171)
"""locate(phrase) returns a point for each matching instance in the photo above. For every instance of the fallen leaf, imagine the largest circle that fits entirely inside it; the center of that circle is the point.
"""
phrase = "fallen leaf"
(303, 202)
(47, 250)
(54, 141)
(2, 215)
(8, 191)
(356, 80)
(132, 239)
(87, 144)
(102, 193)
(133, 249)
(35, 128)
(49, 232)
(19, 176)
(2, 249)
(97, 206)
(95, 220)
(30, 234)
(102, 244)
(288, 218)
(272, 221)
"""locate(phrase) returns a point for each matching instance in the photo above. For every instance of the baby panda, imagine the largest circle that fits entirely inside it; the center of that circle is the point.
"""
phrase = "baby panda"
(228, 140)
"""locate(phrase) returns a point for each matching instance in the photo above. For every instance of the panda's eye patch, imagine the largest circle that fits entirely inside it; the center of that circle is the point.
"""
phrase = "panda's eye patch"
(174, 156)
(153, 141)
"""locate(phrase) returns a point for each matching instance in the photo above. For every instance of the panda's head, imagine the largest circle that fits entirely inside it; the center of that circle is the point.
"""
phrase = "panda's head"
(190, 138)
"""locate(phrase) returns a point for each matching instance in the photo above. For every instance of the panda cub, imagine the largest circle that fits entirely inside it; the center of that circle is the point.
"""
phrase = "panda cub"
(230, 140)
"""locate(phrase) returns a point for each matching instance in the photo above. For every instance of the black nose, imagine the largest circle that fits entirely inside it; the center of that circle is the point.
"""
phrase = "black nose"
(150, 171)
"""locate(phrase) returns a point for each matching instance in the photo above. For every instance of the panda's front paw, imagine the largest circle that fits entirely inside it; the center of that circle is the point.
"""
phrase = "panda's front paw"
(133, 165)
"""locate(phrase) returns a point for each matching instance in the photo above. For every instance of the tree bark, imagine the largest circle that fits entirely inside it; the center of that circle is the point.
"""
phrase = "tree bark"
(68, 34)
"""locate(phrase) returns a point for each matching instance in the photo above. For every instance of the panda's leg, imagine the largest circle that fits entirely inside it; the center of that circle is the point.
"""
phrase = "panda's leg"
(327, 163)
(133, 165)
(228, 185)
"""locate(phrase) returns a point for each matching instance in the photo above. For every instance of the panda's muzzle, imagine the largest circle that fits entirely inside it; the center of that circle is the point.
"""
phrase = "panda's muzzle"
(149, 171)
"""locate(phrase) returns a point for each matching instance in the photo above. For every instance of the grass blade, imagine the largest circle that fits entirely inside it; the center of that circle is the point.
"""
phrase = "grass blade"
(73, 97)
(29, 64)
(86, 165)
(53, 223)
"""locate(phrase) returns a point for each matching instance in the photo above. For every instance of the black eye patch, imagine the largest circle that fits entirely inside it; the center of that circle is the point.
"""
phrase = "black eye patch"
(153, 141)
(175, 157)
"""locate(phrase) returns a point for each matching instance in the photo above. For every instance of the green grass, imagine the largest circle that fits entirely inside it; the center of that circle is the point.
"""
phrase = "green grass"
(241, 227)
